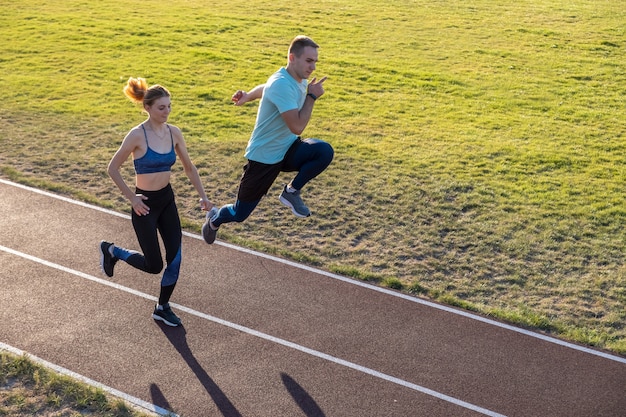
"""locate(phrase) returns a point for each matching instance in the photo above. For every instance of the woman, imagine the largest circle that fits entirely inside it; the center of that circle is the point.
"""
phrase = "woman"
(154, 145)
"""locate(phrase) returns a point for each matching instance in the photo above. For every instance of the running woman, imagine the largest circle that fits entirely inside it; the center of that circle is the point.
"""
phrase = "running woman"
(154, 145)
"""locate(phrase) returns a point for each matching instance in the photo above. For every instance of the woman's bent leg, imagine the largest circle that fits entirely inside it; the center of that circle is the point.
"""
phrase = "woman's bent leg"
(146, 230)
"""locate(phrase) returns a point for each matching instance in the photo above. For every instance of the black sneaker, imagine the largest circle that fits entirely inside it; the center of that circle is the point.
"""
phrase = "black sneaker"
(166, 315)
(209, 233)
(293, 201)
(107, 261)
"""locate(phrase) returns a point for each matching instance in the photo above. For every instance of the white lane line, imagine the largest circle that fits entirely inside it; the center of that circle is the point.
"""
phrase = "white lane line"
(145, 406)
(352, 281)
(262, 335)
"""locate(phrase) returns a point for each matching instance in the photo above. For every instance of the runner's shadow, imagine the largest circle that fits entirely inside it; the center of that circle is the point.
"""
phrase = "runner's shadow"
(306, 403)
(158, 398)
(178, 338)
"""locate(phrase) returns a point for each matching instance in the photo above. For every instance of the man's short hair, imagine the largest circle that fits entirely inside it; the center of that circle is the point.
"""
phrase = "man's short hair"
(299, 43)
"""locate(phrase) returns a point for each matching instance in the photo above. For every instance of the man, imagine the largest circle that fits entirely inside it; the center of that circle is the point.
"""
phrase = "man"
(275, 146)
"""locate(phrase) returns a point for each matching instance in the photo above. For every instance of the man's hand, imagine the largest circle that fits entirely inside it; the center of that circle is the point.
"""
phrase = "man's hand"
(240, 97)
(317, 87)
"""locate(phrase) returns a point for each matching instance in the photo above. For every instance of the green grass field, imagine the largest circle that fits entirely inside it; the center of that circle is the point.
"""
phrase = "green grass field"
(28, 389)
(480, 147)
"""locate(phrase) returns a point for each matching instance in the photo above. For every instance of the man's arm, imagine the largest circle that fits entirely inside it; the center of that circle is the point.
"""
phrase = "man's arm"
(241, 97)
(297, 120)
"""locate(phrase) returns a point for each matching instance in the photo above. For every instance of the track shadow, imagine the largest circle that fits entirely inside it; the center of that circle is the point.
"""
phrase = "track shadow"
(306, 403)
(178, 338)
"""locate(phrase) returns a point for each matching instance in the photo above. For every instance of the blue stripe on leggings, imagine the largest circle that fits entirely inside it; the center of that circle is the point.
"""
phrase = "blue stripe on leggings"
(170, 276)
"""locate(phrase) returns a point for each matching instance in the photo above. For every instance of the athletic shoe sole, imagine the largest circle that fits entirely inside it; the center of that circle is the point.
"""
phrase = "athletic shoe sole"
(293, 210)
(169, 323)
(101, 249)
(208, 234)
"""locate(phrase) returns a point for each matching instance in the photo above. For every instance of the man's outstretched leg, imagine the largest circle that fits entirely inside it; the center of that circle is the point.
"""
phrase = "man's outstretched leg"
(237, 212)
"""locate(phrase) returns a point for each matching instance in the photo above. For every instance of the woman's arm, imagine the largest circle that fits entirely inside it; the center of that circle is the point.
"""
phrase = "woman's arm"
(190, 169)
(126, 148)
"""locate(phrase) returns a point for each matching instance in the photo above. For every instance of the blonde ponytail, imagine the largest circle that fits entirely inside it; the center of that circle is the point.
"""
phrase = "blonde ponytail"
(135, 89)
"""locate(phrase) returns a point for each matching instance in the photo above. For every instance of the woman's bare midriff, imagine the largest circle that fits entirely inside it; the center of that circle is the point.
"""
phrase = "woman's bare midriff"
(152, 182)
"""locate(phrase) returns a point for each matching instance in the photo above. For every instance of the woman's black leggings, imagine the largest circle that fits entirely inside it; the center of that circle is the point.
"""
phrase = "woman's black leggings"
(162, 219)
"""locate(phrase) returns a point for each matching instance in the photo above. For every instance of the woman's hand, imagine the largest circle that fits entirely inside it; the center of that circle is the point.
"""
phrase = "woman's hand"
(205, 204)
(139, 207)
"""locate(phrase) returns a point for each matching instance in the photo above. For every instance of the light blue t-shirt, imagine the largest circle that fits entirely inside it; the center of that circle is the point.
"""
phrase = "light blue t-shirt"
(271, 138)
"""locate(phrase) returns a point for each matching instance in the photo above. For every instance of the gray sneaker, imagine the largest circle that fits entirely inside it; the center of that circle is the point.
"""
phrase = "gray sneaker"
(166, 315)
(208, 233)
(294, 202)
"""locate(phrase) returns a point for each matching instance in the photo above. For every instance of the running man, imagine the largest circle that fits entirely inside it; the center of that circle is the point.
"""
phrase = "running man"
(275, 146)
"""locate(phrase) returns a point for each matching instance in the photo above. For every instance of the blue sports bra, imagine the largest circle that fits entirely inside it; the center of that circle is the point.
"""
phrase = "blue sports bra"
(153, 161)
